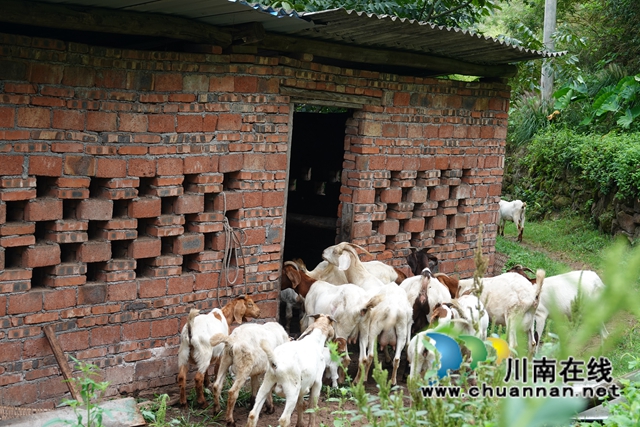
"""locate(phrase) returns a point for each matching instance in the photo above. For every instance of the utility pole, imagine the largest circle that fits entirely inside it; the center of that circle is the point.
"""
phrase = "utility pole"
(546, 81)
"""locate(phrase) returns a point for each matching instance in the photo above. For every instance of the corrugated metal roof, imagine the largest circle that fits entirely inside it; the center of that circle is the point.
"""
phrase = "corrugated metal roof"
(338, 26)
(390, 32)
(214, 12)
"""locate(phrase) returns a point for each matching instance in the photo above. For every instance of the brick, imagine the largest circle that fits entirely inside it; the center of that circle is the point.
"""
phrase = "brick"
(461, 192)
(151, 287)
(170, 166)
(11, 352)
(43, 209)
(15, 274)
(133, 122)
(92, 294)
(277, 162)
(68, 120)
(180, 285)
(273, 199)
(68, 269)
(190, 123)
(188, 243)
(391, 195)
(64, 281)
(30, 302)
(361, 229)
(68, 225)
(126, 291)
(414, 225)
(43, 165)
(7, 117)
(117, 234)
(175, 230)
(229, 122)
(188, 203)
(438, 222)
(459, 221)
(145, 207)
(11, 165)
(68, 237)
(16, 241)
(197, 164)
(162, 123)
(111, 168)
(94, 251)
(142, 167)
(95, 210)
(439, 193)
(228, 200)
(364, 195)
(80, 165)
(389, 227)
(417, 195)
(41, 255)
(101, 121)
(230, 163)
(17, 228)
(30, 117)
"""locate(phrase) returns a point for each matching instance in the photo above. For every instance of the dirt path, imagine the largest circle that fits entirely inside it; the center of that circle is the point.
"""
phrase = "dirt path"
(557, 256)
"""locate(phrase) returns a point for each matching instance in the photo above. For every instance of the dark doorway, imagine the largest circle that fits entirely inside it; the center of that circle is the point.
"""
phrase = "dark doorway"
(317, 153)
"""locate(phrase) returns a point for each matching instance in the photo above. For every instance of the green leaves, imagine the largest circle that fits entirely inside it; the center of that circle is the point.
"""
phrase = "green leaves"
(619, 104)
(455, 13)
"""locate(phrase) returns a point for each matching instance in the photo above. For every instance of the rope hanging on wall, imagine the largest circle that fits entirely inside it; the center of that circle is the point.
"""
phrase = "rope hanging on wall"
(232, 245)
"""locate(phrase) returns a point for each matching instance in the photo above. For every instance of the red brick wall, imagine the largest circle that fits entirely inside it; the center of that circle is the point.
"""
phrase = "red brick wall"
(117, 167)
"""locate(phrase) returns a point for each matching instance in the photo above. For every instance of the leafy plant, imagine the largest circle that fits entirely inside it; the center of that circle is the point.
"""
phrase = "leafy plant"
(87, 412)
(458, 13)
(156, 413)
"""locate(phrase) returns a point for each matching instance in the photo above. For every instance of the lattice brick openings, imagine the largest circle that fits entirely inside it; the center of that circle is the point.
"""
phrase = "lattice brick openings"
(119, 169)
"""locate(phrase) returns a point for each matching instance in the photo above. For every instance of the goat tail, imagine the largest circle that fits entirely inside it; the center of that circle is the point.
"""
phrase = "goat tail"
(540, 273)
(374, 301)
(264, 345)
(192, 315)
(217, 339)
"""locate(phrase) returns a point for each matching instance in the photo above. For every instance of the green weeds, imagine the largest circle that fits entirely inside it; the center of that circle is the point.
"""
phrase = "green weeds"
(88, 413)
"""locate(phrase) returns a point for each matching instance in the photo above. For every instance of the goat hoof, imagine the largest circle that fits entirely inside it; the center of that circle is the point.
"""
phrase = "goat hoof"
(269, 409)
(231, 423)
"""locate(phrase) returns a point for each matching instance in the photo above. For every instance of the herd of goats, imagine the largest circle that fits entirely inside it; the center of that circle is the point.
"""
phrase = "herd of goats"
(349, 301)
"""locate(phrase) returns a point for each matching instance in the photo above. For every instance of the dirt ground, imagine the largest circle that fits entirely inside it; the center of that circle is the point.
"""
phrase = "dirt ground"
(326, 415)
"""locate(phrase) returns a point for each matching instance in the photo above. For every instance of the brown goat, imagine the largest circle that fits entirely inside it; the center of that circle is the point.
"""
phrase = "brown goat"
(194, 341)
(450, 282)
(419, 260)
(522, 271)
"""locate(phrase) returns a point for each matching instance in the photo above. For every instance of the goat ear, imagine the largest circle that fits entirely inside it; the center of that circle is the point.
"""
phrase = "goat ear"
(344, 261)
(294, 276)
(238, 312)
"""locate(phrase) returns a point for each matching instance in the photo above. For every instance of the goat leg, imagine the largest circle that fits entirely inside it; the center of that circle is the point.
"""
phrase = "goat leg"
(182, 382)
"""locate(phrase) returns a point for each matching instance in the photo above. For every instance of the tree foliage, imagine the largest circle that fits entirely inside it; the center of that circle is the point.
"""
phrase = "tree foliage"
(454, 13)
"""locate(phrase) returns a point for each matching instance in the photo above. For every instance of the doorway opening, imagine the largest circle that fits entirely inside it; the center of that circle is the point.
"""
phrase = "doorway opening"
(315, 171)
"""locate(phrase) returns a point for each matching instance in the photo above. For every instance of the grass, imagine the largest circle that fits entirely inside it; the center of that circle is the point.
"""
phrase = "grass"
(570, 238)
(565, 244)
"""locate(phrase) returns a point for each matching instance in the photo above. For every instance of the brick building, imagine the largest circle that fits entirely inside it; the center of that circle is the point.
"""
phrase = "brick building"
(133, 149)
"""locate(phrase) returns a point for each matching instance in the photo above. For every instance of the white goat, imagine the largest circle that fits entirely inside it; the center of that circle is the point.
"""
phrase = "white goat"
(243, 354)
(389, 322)
(419, 357)
(347, 304)
(331, 371)
(512, 211)
(466, 312)
(328, 272)
(560, 291)
(296, 368)
(344, 256)
(196, 348)
(510, 300)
